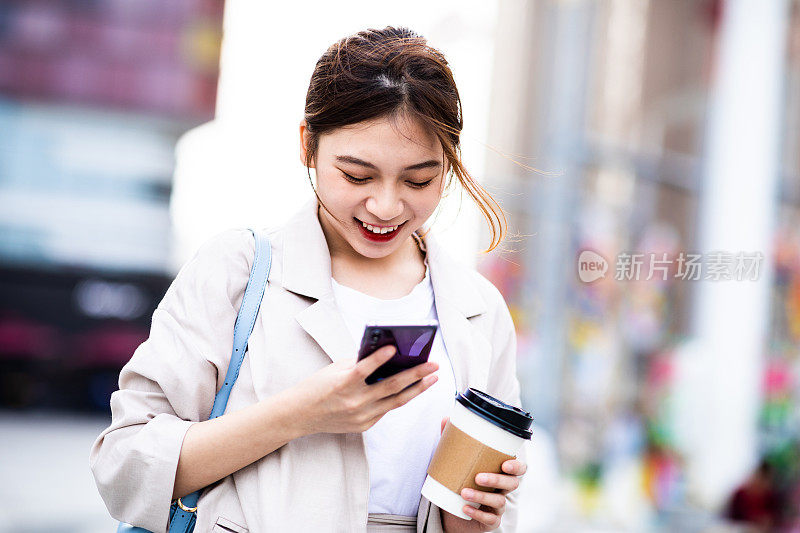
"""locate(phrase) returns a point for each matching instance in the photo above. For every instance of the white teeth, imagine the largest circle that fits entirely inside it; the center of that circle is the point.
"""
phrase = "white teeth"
(373, 229)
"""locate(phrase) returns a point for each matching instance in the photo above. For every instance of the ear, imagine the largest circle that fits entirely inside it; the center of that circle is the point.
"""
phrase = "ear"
(304, 143)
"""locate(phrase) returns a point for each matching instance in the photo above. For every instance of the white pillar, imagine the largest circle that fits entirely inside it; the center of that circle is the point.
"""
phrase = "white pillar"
(738, 204)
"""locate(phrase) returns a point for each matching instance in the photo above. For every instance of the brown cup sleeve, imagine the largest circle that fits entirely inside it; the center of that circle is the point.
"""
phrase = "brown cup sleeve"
(459, 458)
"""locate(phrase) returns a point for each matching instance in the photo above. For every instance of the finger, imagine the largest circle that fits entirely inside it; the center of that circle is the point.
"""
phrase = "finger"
(514, 467)
(401, 398)
(396, 383)
(484, 517)
(497, 481)
(490, 499)
(444, 423)
(370, 363)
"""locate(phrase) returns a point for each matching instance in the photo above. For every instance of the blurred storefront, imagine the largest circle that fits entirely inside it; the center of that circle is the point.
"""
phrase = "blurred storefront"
(93, 98)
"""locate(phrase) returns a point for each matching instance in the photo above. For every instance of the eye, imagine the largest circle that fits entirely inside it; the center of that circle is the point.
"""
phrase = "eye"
(420, 185)
(414, 184)
(353, 178)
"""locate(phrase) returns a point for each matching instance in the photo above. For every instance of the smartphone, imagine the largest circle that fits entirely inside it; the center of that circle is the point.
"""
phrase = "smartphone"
(413, 343)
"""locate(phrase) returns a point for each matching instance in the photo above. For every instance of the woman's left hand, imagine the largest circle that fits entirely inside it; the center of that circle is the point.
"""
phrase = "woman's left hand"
(493, 504)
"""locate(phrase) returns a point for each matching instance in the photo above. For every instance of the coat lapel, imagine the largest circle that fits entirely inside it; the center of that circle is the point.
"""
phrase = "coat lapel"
(457, 300)
(306, 268)
(324, 322)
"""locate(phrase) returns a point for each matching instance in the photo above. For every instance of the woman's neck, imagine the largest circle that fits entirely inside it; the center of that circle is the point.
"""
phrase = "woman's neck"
(387, 283)
(408, 255)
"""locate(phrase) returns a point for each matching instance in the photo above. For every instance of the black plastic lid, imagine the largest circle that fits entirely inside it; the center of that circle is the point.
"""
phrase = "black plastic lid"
(512, 419)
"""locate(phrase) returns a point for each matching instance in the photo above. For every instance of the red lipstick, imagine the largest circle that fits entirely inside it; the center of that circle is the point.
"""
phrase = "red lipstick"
(378, 237)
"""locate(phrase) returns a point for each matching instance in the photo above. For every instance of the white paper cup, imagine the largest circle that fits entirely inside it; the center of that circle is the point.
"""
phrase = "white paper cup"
(482, 433)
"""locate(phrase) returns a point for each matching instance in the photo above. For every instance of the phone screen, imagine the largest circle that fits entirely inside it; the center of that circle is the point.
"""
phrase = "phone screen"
(412, 342)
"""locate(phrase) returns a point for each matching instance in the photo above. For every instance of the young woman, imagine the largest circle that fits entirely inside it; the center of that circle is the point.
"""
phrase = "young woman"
(306, 444)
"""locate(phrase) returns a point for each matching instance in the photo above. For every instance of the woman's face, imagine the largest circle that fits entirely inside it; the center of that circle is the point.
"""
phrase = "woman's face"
(369, 173)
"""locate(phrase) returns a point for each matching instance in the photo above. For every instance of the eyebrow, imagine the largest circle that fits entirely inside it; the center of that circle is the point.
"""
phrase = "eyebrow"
(431, 163)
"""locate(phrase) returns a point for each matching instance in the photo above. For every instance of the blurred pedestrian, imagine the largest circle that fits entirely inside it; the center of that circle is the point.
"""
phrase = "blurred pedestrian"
(757, 500)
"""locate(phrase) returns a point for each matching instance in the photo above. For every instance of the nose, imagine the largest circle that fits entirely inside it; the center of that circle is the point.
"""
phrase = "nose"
(385, 204)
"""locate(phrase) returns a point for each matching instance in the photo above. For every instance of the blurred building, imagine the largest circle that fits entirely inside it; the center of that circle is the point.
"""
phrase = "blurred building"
(93, 98)
(613, 113)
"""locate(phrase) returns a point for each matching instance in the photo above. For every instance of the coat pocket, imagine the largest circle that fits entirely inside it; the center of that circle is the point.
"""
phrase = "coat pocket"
(224, 525)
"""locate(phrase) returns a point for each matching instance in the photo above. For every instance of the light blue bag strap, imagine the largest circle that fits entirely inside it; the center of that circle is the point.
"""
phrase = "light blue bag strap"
(183, 521)
(242, 329)
(246, 319)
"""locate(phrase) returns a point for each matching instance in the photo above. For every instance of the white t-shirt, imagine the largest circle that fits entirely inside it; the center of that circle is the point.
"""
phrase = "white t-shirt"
(401, 444)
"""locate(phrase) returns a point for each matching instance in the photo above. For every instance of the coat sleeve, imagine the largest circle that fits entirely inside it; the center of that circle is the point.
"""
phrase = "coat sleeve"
(503, 384)
(170, 383)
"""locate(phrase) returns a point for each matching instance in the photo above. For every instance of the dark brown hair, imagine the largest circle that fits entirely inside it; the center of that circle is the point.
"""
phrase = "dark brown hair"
(393, 73)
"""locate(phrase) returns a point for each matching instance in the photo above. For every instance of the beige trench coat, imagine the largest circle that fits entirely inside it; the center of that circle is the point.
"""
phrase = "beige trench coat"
(317, 483)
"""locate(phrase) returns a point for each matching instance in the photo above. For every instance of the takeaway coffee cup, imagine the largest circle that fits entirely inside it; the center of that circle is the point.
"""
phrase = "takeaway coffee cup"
(482, 433)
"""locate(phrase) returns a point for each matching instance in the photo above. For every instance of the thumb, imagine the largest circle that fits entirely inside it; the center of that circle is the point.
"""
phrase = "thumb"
(444, 423)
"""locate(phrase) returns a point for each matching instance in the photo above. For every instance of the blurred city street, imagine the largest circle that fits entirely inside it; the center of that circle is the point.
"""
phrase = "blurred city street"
(44, 464)
(645, 154)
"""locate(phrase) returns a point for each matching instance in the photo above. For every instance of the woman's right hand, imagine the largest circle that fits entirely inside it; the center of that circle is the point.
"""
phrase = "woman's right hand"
(337, 399)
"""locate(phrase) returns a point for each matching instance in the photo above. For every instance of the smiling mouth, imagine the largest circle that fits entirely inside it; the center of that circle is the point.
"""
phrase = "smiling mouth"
(382, 230)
